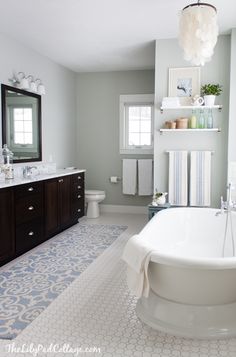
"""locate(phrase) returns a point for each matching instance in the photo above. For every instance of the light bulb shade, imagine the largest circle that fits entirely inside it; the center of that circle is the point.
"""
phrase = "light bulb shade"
(41, 89)
(24, 83)
(198, 31)
(33, 86)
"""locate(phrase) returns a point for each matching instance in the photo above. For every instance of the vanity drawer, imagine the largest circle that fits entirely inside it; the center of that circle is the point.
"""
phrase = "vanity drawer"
(77, 195)
(77, 212)
(28, 236)
(28, 190)
(77, 208)
(78, 179)
(78, 187)
(28, 208)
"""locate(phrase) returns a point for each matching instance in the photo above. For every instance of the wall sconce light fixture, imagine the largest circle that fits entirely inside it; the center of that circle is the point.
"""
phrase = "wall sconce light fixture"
(41, 88)
(28, 83)
(23, 82)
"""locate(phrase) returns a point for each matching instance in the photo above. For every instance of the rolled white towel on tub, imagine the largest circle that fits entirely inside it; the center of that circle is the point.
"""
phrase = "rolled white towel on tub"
(137, 254)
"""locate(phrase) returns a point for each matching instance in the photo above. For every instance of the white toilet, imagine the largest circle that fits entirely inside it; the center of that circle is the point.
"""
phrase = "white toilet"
(93, 198)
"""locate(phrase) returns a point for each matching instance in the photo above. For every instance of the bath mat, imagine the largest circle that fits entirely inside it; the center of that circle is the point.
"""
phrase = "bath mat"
(31, 282)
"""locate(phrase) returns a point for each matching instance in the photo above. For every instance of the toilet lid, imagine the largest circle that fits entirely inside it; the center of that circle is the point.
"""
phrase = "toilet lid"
(94, 192)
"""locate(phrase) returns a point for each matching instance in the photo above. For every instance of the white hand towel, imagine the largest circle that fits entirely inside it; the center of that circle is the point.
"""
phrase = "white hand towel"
(129, 176)
(137, 254)
(145, 177)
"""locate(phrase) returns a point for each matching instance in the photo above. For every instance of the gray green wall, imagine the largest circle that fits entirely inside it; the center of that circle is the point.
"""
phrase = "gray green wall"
(232, 101)
(81, 114)
(168, 55)
(58, 104)
(98, 128)
(232, 116)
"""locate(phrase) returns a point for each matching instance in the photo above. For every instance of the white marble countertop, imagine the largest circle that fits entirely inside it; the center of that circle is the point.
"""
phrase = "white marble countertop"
(21, 181)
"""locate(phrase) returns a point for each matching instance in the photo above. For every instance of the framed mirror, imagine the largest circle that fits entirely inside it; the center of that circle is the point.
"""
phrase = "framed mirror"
(21, 123)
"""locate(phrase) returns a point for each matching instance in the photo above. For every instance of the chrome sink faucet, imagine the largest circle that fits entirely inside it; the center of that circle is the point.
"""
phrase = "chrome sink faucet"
(27, 171)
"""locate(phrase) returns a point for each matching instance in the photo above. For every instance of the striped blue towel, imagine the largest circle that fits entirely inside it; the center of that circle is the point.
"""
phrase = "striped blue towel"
(200, 178)
(178, 178)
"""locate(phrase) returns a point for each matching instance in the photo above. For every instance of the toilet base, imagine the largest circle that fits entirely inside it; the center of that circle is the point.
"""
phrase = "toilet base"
(93, 210)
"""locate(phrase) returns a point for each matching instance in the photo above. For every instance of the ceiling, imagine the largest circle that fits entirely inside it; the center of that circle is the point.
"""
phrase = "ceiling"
(104, 35)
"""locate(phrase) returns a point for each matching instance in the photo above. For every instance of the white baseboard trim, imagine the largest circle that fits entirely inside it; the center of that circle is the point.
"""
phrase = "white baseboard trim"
(123, 209)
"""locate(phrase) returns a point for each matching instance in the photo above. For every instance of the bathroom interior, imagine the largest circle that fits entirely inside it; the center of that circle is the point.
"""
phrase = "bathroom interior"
(117, 241)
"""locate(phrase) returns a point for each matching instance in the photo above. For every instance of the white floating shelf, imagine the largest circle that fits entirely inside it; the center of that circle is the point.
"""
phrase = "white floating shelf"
(191, 107)
(216, 130)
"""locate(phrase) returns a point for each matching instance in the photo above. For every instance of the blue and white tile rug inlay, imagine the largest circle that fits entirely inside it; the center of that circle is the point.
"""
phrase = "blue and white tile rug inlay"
(30, 283)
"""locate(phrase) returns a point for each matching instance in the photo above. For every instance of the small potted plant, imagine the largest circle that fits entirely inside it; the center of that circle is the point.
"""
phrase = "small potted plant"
(210, 91)
(159, 198)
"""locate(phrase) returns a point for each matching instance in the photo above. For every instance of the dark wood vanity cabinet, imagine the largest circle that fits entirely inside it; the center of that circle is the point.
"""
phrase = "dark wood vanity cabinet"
(29, 218)
(64, 202)
(32, 213)
(57, 205)
(7, 237)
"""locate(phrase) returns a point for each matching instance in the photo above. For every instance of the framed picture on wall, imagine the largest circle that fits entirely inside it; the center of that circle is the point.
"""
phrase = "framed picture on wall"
(184, 83)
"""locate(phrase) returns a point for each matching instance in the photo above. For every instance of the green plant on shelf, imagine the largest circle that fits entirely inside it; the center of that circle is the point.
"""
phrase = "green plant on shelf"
(211, 89)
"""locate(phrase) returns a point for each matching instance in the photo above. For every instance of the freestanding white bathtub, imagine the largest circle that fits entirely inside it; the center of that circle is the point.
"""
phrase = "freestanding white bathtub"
(193, 288)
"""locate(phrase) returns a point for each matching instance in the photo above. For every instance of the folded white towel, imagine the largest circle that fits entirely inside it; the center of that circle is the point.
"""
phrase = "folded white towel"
(137, 254)
(170, 101)
(129, 176)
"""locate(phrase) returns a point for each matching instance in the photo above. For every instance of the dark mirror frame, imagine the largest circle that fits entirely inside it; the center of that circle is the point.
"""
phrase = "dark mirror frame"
(4, 89)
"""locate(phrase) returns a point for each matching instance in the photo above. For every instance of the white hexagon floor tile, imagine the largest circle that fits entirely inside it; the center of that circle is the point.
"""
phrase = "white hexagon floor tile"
(97, 310)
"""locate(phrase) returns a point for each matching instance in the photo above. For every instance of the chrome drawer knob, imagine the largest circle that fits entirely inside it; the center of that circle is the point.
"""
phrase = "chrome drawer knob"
(31, 233)
(61, 180)
(79, 196)
(30, 189)
(79, 187)
(79, 177)
(31, 208)
(79, 210)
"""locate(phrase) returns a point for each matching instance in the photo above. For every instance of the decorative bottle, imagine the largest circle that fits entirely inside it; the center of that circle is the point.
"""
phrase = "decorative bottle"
(210, 119)
(193, 120)
(200, 121)
(7, 167)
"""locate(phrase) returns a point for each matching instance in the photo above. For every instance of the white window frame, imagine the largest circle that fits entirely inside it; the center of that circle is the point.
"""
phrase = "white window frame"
(135, 99)
(10, 139)
(12, 118)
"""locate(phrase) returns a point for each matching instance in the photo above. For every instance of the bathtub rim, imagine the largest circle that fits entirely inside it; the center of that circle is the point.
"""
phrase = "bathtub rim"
(193, 262)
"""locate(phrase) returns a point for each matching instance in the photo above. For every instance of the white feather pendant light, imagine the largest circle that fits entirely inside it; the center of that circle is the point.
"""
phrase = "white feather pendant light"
(198, 31)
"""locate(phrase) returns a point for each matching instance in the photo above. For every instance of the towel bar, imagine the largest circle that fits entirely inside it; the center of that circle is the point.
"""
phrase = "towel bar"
(168, 151)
